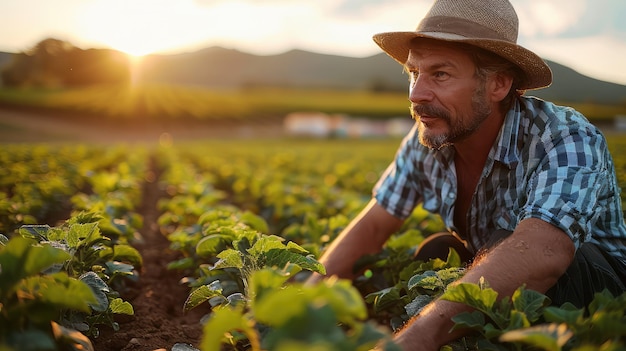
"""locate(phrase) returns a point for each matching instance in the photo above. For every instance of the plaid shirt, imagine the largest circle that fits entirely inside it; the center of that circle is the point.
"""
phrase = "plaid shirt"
(548, 162)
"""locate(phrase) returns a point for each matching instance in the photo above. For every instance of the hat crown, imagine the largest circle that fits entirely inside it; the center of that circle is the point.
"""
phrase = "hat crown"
(493, 19)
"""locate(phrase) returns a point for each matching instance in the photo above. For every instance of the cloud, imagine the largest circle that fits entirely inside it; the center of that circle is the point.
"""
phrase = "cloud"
(543, 18)
(571, 18)
(601, 57)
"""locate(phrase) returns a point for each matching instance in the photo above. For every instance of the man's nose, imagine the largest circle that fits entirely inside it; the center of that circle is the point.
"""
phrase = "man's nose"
(420, 90)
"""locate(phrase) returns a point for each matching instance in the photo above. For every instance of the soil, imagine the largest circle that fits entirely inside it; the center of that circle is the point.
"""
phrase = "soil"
(157, 299)
(158, 322)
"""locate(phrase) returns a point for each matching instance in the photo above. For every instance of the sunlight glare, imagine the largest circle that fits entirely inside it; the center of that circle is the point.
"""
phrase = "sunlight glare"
(141, 27)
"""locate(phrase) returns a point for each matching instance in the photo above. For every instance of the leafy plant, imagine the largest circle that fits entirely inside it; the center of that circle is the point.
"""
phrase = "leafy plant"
(413, 283)
(94, 260)
(327, 316)
(527, 321)
(240, 251)
(247, 288)
(31, 303)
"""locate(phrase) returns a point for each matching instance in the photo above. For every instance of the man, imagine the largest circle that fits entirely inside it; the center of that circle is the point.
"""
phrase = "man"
(526, 188)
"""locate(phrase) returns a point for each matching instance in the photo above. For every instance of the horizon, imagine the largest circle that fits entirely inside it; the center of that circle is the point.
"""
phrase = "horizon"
(590, 37)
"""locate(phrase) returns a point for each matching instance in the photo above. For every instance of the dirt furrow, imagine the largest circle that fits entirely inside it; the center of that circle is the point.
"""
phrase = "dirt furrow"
(158, 298)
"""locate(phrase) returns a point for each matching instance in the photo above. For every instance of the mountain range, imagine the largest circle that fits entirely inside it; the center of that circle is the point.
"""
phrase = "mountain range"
(221, 68)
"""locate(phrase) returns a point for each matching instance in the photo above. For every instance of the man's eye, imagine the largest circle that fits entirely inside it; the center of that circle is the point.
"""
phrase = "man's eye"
(441, 74)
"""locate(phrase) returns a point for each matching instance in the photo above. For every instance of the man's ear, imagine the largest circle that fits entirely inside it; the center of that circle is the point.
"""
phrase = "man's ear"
(499, 86)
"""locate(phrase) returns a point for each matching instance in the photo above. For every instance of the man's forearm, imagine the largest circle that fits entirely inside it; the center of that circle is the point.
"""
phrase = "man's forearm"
(366, 234)
(536, 255)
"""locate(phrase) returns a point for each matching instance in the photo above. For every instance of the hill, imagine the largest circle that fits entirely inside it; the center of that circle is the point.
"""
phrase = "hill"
(225, 68)
(221, 68)
(218, 67)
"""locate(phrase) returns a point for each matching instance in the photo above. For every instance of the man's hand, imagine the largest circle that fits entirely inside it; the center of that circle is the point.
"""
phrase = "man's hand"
(366, 234)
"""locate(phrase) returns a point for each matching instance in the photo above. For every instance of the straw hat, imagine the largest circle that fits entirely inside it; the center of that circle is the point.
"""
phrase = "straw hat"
(488, 24)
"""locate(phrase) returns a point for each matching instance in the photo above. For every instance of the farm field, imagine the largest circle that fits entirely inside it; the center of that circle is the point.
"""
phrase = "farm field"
(177, 104)
(181, 227)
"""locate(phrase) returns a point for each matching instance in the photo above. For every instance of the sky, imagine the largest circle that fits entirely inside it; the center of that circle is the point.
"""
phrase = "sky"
(586, 35)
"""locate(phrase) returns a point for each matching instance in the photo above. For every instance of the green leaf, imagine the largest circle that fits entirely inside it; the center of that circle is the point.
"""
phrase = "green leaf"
(472, 295)
(80, 233)
(427, 280)
(419, 302)
(266, 243)
(530, 302)
(453, 260)
(57, 289)
(119, 306)
(115, 267)
(473, 320)
(384, 298)
(255, 222)
(217, 329)
(124, 253)
(278, 308)
(100, 290)
(281, 257)
(200, 295)
(211, 245)
(266, 280)
(549, 337)
(295, 248)
(36, 232)
(567, 313)
(229, 258)
(344, 298)
(517, 320)
(39, 257)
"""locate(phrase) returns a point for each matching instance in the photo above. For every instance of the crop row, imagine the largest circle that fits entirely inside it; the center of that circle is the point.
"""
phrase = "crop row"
(57, 280)
(249, 219)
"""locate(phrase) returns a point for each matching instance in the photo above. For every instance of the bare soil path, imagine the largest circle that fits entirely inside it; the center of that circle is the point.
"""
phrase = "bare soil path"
(158, 298)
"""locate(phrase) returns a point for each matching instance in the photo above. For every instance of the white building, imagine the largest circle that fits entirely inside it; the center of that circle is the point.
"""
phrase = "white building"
(322, 125)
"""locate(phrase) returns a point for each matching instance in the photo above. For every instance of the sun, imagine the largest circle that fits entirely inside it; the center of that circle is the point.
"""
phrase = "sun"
(137, 27)
(140, 27)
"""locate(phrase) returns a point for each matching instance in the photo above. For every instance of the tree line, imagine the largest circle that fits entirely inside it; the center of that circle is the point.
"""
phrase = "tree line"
(54, 63)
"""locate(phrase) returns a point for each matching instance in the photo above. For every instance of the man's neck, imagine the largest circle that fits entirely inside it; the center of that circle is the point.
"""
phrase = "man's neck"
(472, 152)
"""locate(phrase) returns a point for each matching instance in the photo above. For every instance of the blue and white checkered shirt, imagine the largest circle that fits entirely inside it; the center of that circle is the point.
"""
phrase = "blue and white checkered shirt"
(548, 162)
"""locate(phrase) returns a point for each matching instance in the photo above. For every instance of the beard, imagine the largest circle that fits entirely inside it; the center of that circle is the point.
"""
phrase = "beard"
(460, 129)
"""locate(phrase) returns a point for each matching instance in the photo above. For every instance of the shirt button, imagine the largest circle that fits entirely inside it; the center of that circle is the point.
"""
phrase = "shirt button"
(452, 195)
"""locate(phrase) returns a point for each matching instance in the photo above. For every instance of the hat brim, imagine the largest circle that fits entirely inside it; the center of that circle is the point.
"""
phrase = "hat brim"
(538, 74)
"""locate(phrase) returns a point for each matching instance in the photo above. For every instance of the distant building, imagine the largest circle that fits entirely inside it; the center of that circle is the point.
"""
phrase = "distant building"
(314, 124)
(322, 125)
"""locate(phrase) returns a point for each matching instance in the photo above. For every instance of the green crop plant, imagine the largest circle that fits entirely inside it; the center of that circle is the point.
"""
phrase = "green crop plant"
(94, 260)
(527, 321)
(289, 317)
(32, 302)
